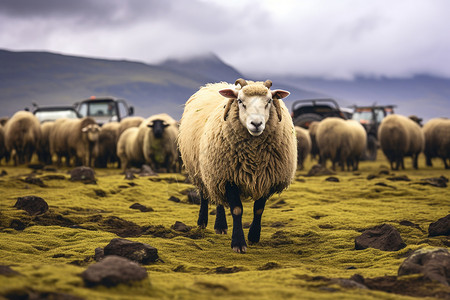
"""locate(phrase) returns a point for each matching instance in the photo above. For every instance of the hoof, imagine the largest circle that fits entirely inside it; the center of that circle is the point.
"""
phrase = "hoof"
(221, 231)
(242, 249)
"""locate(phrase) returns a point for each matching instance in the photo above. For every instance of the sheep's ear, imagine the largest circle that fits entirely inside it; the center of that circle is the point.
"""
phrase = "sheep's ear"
(279, 94)
(150, 124)
(229, 93)
(84, 129)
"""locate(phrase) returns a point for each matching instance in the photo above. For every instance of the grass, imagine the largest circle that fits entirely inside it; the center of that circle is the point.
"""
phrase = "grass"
(308, 231)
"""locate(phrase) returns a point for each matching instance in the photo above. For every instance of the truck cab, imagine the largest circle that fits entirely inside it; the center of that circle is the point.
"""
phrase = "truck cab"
(104, 109)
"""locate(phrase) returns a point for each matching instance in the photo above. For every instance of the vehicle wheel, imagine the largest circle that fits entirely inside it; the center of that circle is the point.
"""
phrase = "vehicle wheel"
(372, 148)
(306, 119)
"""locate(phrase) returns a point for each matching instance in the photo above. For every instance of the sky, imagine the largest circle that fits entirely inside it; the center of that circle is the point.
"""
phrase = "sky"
(326, 38)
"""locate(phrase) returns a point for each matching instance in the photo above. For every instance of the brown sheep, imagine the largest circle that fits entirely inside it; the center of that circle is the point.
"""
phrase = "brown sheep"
(22, 134)
(44, 153)
(106, 149)
(437, 140)
(303, 146)
(399, 136)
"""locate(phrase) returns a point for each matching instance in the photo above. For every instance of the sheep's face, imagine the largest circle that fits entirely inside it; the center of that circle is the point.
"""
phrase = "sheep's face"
(157, 127)
(92, 132)
(254, 108)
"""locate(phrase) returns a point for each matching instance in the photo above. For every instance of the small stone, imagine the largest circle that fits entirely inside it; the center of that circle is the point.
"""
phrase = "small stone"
(180, 226)
(141, 207)
(384, 237)
(83, 174)
(129, 175)
(174, 199)
(113, 270)
(440, 227)
(318, 170)
(146, 170)
(99, 254)
(7, 271)
(332, 179)
(135, 251)
(32, 204)
(399, 178)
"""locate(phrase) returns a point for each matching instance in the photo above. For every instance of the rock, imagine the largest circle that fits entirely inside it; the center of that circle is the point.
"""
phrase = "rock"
(193, 197)
(318, 170)
(113, 270)
(147, 171)
(135, 251)
(384, 237)
(174, 199)
(31, 179)
(33, 205)
(399, 178)
(83, 174)
(332, 179)
(440, 227)
(435, 181)
(180, 226)
(434, 264)
(141, 207)
(7, 271)
(269, 266)
(371, 176)
(99, 254)
(3, 173)
(129, 175)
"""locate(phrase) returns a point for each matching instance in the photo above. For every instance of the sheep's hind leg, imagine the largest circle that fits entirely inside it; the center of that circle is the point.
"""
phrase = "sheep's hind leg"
(221, 226)
(255, 229)
(203, 213)
(238, 243)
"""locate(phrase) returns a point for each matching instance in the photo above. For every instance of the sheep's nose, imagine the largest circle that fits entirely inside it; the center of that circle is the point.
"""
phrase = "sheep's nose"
(256, 124)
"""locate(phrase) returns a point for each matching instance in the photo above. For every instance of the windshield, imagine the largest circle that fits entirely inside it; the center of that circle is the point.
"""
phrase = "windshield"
(98, 109)
(364, 117)
(54, 115)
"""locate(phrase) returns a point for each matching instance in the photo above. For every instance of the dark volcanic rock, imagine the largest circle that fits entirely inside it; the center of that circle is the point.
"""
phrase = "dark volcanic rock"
(31, 294)
(174, 199)
(31, 179)
(141, 207)
(3, 173)
(318, 170)
(83, 174)
(138, 252)
(113, 270)
(384, 237)
(434, 264)
(32, 204)
(399, 178)
(440, 227)
(332, 179)
(180, 226)
(7, 271)
(435, 181)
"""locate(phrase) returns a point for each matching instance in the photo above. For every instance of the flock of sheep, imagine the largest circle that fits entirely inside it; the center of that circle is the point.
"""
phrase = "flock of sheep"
(235, 141)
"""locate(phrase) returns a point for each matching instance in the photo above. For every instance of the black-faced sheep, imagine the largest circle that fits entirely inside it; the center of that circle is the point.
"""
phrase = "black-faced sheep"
(105, 150)
(128, 123)
(238, 141)
(129, 148)
(160, 133)
(437, 140)
(22, 134)
(335, 141)
(303, 145)
(43, 150)
(399, 136)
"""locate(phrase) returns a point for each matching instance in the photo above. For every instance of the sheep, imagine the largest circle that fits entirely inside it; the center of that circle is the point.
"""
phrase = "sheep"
(359, 143)
(129, 148)
(159, 135)
(335, 142)
(129, 122)
(312, 134)
(74, 138)
(2, 143)
(238, 141)
(437, 140)
(105, 150)
(399, 136)
(303, 145)
(22, 134)
(44, 153)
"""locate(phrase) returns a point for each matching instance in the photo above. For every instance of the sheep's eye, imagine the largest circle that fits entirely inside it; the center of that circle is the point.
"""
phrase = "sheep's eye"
(239, 101)
(270, 101)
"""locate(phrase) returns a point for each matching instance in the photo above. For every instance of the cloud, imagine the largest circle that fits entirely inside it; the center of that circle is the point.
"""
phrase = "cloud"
(310, 38)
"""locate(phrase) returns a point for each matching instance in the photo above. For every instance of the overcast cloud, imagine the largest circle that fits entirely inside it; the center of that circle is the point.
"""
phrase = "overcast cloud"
(330, 38)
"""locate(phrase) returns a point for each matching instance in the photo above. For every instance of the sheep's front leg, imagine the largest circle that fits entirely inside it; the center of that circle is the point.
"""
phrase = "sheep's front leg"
(203, 213)
(255, 229)
(221, 226)
(238, 243)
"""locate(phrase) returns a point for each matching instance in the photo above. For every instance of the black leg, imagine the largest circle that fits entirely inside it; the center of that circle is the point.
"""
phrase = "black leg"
(203, 213)
(238, 243)
(255, 229)
(221, 226)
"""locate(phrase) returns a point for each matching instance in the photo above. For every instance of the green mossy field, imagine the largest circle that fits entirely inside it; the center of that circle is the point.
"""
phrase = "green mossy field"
(307, 239)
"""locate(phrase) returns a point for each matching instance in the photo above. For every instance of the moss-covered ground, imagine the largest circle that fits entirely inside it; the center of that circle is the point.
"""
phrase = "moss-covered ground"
(307, 236)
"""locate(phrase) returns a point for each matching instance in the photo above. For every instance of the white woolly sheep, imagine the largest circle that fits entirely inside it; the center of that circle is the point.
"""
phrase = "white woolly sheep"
(129, 148)
(312, 134)
(2, 143)
(437, 140)
(22, 134)
(359, 143)
(128, 123)
(238, 141)
(303, 145)
(159, 135)
(399, 136)
(105, 150)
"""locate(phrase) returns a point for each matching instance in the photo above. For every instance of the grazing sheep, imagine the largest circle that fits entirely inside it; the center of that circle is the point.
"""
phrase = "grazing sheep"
(399, 136)
(128, 123)
(335, 141)
(238, 141)
(105, 150)
(22, 134)
(129, 148)
(303, 145)
(44, 153)
(359, 143)
(160, 134)
(312, 134)
(437, 140)
(2, 143)
(74, 138)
